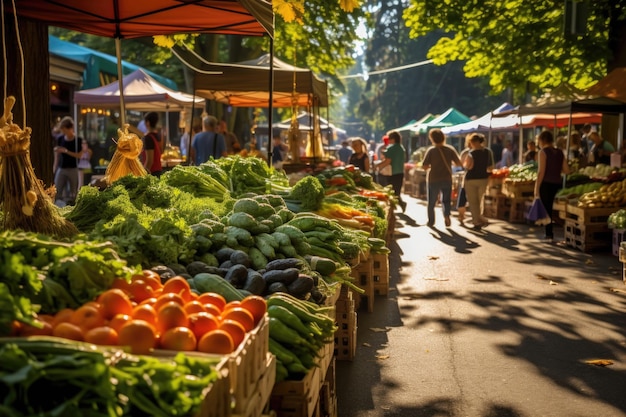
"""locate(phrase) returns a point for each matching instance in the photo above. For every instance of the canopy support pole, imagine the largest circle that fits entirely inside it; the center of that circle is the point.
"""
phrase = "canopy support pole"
(120, 76)
(270, 135)
(193, 111)
(569, 136)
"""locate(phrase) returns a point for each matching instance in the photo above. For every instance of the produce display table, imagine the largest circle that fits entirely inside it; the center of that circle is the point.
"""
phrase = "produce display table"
(518, 189)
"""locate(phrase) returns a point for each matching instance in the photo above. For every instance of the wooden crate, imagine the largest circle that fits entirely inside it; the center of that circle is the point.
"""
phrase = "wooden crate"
(302, 398)
(345, 335)
(256, 403)
(328, 393)
(497, 207)
(248, 364)
(363, 278)
(217, 400)
(380, 273)
(519, 209)
(518, 189)
(582, 215)
(588, 237)
(494, 187)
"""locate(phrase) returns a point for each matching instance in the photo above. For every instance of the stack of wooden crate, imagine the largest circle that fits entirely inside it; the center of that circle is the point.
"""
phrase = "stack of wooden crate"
(313, 396)
(586, 229)
(346, 319)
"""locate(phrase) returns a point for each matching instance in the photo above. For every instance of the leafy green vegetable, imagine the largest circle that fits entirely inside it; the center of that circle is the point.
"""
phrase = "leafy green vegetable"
(306, 195)
(195, 181)
(46, 377)
(53, 274)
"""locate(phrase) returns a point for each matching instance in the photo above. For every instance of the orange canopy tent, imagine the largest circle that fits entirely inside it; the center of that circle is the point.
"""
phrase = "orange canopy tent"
(138, 18)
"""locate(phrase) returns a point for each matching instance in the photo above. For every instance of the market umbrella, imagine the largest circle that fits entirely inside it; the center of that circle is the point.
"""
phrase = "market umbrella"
(135, 18)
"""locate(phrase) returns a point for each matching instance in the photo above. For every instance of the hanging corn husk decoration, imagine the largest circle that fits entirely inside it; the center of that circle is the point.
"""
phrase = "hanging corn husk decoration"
(125, 161)
(314, 147)
(25, 203)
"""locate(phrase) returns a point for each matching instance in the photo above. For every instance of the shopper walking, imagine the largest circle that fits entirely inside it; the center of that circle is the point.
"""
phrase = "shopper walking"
(551, 164)
(66, 156)
(395, 156)
(437, 162)
(479, 163)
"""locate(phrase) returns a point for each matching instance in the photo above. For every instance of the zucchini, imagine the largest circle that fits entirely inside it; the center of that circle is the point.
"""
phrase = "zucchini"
(258, 260)
(324, 266)
(239, 257)
(276, 287)
(286, 276)
(301, 286)
(255, 283)
(237, 275)
(283, 264)
(214, 283)
(224, 254)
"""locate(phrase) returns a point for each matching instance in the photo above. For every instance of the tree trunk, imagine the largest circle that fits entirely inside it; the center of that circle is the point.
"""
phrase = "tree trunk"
(35, 72)
(617, 45)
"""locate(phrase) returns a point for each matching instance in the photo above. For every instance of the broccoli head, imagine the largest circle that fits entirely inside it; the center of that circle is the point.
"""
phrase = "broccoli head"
(308, 192)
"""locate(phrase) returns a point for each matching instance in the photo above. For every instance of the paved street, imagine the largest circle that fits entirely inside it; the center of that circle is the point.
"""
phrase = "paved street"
(493, 323)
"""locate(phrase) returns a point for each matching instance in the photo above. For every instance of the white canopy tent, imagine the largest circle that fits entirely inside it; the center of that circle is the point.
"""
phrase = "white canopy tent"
(482, 123)
(141, 92)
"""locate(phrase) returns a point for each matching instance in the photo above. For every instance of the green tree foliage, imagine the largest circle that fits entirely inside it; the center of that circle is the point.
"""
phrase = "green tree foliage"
(521, 44)
(392, 99)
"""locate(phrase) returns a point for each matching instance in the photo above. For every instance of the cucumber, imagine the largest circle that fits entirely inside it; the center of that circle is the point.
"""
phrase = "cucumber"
(291, 320)
(214, 283)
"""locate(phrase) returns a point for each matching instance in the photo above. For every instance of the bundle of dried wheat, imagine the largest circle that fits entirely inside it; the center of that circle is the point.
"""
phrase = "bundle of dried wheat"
(25, 203)
(125, 161)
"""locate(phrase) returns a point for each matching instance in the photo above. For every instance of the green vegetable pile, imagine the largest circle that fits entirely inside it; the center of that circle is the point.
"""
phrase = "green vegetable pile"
(305, 195)
(580, 189)
(523, 172)
(53, 377)
(298, 331)
(43, 274)
(617, 220)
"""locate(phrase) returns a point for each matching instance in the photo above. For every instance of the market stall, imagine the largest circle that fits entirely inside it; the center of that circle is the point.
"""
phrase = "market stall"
(142, 93)
(265, 82)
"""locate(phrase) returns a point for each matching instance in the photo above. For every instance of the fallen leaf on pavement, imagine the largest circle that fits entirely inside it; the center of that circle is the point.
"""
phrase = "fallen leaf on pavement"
(382, 357)
(553, 283)
(366, 344)
(378, 329)
(617, 290)
(599, 362)
(433, 258)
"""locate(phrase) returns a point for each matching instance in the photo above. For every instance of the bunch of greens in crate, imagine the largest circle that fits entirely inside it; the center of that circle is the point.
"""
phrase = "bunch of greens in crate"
(298, 331)
(56, 377)
(42, 273)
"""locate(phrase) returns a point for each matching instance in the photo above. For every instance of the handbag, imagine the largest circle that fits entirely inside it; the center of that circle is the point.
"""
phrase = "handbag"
(538, 214)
